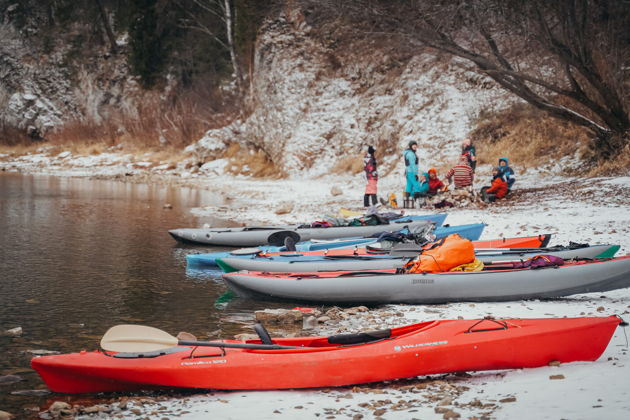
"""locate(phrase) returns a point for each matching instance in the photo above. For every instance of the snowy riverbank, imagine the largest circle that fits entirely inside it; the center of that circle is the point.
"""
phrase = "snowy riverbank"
(579, 210)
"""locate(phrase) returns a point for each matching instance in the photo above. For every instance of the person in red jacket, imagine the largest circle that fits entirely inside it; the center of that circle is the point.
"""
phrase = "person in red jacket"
(497, 189)
(435, 185)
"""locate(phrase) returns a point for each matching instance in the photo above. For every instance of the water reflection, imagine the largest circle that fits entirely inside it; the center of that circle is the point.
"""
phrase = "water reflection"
(78, 256)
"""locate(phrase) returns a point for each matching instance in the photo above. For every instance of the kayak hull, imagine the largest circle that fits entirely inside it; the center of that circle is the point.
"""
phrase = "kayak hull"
(255, 236)
(420, 349)
(478, 286)
(299, 263)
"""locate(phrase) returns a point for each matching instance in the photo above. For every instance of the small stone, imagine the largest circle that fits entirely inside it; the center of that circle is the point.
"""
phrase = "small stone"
(5, 415)
(285, 208)
(167, 206)
(553, 377)
(447, 413)
(309, 322)
(9, 379)
(91, 410)
(31, 392)
(335, 191)
(379, 412)
(14, 332)
(42, 352)
(601, 309)
(554, 363)
(508, 399)
(280, 316)
(60, 407)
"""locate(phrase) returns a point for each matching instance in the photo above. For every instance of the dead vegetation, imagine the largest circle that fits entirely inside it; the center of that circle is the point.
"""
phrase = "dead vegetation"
(250, 162)
(156, 123)
(531, 139)
(349, 164)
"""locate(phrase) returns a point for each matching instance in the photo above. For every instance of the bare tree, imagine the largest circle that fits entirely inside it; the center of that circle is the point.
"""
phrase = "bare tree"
(226, 13)
(570, 58)
(107, 26)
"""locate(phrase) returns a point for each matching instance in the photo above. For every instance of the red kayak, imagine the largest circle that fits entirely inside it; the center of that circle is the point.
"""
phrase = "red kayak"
(308, 362)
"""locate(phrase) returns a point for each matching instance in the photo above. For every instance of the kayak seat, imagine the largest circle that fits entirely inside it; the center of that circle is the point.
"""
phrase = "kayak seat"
(289, 244)
(262, 332)
(359, 338)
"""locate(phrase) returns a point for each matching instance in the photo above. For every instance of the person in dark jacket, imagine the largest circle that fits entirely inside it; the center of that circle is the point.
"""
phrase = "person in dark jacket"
(498, 187)
(507, 172)
(371, 175)
(468, 150)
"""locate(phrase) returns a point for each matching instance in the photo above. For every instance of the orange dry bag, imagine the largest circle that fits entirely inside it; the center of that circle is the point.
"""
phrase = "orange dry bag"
(450, 252)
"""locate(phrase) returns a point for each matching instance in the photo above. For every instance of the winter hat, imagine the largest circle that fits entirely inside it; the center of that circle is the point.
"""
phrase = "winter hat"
(371, 150)
(504, 159)
(432, 170)
(412, 142)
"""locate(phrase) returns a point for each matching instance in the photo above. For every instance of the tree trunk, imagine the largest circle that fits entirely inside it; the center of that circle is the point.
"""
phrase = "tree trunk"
(229, 25)
(107, 26)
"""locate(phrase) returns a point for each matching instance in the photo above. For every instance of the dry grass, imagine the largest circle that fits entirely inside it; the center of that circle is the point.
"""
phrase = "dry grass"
(251, 162)
(619, 166)
(528, 137)
(13, 137)
(349, 164)
(155, 125)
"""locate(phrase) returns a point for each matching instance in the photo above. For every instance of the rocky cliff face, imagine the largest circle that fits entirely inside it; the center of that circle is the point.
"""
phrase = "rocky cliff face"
(316, 102)
(42, 87)
(316, 97)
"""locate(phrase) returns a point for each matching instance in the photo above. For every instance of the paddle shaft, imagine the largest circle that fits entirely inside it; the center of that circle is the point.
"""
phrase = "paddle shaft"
(236, 345)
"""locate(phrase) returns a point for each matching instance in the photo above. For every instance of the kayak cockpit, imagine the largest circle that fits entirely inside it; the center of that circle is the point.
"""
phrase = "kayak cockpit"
(353, 339)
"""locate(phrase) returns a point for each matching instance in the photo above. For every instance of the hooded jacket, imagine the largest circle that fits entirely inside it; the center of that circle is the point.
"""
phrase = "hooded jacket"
(507, 172)
(434, 184)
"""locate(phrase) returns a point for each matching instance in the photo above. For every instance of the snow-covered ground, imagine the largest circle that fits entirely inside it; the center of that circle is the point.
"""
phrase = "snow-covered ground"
(572, 209)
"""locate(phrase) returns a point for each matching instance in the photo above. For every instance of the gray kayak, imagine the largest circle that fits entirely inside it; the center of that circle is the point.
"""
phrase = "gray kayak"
(256, 236)
(478, 286)
(300, 263)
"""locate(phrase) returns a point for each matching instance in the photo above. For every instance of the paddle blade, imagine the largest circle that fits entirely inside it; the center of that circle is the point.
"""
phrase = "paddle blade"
(136, 339)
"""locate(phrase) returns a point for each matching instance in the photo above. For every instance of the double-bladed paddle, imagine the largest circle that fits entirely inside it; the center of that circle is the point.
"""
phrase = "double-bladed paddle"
(140, 338)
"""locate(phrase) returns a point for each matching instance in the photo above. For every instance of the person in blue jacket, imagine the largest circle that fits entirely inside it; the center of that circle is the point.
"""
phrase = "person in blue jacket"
(507, 172)
(423, 184)
(411, 170)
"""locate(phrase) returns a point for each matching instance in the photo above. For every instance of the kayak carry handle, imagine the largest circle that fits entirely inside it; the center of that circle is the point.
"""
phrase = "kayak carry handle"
(502, 325)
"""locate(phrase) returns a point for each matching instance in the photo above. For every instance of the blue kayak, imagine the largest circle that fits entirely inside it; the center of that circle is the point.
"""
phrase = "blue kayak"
(471, 231)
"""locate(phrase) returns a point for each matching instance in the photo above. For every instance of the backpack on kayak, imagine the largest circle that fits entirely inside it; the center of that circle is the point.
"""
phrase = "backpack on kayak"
(539, 261)
(444, 255)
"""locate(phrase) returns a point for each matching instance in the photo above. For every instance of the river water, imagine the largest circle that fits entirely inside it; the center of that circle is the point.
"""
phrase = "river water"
(78, 256)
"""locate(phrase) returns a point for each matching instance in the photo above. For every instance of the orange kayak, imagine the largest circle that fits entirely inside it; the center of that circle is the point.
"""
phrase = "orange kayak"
(537, 241)
(419, 349)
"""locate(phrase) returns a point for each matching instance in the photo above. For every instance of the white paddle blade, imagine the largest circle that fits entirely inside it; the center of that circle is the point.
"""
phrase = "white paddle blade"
(136, 339)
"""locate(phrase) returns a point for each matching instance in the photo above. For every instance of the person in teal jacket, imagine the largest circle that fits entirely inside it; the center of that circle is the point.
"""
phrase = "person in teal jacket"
(411, 169)
(424, 184)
